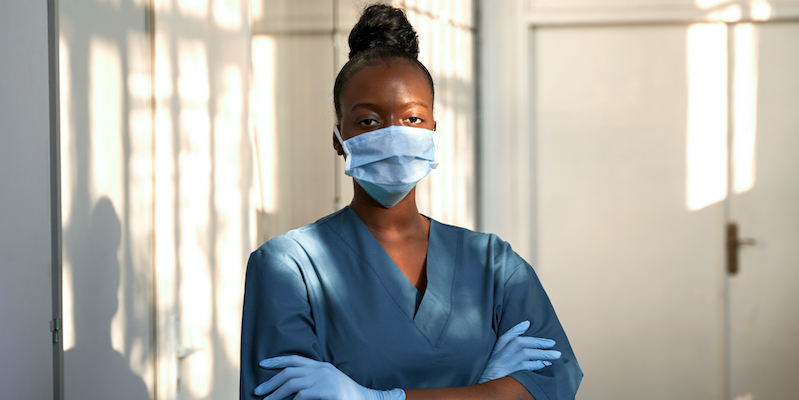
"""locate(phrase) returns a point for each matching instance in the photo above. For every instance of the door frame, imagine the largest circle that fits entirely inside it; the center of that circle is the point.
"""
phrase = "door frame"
(56, 231)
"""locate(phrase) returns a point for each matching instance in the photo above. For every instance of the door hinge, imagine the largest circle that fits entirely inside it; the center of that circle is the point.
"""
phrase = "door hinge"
(55, 328)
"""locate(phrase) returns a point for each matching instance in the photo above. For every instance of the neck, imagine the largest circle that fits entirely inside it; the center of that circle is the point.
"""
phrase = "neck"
(402, 217)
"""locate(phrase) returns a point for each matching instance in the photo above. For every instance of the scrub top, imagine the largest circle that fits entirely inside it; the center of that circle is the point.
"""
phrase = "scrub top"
(328, 291)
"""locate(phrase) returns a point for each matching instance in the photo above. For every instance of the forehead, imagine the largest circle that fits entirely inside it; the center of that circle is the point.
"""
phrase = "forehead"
(387, 82)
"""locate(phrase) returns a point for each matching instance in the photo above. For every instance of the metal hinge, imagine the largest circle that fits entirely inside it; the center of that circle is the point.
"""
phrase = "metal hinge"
(55, 327)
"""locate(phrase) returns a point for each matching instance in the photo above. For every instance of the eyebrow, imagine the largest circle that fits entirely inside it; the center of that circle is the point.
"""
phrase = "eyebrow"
(408, 104)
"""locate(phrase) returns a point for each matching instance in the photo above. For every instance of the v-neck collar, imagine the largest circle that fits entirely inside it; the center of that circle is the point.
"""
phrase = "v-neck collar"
(436, 305)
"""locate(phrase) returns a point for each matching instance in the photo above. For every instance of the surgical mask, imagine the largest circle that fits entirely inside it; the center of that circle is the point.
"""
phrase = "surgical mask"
(389, 162)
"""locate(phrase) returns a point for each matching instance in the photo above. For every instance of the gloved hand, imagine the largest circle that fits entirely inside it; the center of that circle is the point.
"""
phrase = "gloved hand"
(515, 353)
(311, 379)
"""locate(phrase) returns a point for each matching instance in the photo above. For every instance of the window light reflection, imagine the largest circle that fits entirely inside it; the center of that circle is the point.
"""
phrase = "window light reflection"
(163, 68)
(264, 119)
(710, 3)
(106, 178)
(729, 14)
(228, 203)
(256, 10)
(193, 8)
(761, 10)
(165, 229)
(193, 84)
(745, 108)
(67, 185)
(105, 120)
(194, 204)
(227, 13)
(137, 217)
(162, 6)
(707, 115)
(199, 365)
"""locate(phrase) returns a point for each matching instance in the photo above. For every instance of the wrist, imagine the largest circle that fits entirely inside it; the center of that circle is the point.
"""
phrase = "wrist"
(393, 394)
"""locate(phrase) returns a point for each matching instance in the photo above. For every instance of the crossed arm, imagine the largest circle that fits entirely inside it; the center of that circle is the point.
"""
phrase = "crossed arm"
(295, 325)
(307, 378)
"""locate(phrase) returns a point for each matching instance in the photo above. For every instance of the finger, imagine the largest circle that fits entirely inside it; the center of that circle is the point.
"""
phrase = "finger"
(511, 334)
(545, 354)
(534, 354)
(285, 362)
(534, 365)
(539, 343)
(528, 342)
(296, 385)
(280, 379)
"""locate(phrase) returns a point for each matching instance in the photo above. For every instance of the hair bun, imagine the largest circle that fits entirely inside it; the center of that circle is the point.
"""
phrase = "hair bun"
(383, 25)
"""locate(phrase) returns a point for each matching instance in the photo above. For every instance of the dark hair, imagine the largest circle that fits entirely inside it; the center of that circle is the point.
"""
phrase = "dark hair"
(382, 34)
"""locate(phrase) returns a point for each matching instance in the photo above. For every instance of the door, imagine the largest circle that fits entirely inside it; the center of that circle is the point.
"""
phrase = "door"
(628, 130)
(649, 140)
(764, 354)
(202, 194)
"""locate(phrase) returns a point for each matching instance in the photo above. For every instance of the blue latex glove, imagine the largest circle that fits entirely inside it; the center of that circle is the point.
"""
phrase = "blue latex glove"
(513, 352)
(311, 379)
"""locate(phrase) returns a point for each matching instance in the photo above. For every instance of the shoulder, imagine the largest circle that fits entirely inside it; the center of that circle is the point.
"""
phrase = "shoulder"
(481, 245)
(289, 248)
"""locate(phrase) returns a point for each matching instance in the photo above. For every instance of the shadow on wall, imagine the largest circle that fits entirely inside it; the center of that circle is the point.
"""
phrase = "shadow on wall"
(96, 272)
(106, 318)
(119, 170)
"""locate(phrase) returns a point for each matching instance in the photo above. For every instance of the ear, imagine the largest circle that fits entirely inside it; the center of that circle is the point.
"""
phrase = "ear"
(337, 145)
(435, 124)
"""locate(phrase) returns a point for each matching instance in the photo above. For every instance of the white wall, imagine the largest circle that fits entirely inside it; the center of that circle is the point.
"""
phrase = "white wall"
(26, 369)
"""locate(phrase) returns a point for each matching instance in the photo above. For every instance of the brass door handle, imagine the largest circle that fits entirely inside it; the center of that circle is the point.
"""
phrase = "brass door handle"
(733, 242)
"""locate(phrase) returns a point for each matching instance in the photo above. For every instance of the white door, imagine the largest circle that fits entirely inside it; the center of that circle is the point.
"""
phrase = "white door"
(630, 243)
(203, 185)
(635, 191)
(764, 322)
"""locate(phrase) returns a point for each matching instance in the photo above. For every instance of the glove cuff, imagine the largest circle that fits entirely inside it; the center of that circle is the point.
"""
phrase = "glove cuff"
(393, 394)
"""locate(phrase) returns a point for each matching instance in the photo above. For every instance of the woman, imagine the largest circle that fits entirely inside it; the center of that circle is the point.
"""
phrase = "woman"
(377, 301)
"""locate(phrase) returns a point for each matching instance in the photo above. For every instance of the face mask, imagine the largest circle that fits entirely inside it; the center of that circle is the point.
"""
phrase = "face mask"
(389, 162)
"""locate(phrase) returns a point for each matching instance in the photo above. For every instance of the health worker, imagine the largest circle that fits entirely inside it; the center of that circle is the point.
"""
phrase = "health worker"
(377, 301)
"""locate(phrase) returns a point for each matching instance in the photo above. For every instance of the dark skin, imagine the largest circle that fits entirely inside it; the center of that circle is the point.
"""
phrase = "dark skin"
(397, 93)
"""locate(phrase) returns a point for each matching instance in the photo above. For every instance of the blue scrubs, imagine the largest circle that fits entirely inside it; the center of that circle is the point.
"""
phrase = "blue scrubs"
(328, 291)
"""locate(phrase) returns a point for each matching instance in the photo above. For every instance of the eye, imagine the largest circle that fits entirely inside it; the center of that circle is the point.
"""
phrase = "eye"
(368, 122)
(415, 120)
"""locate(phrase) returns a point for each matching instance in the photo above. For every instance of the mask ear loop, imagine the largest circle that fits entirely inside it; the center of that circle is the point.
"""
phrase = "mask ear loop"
(344, 147)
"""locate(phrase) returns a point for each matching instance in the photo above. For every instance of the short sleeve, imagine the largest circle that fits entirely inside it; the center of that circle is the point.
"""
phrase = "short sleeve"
(525, 299)
(276, 316)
